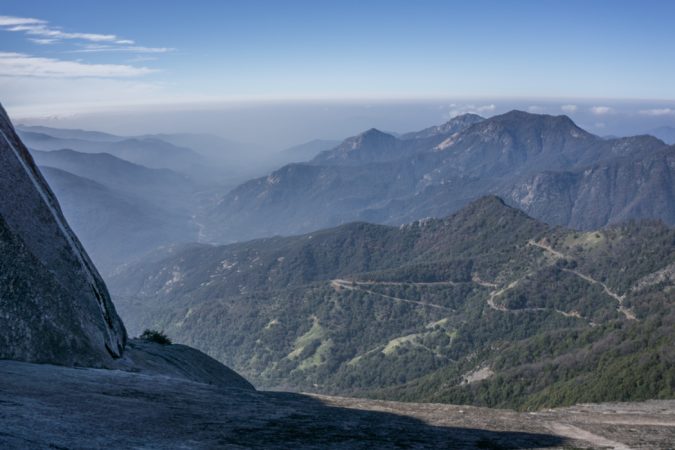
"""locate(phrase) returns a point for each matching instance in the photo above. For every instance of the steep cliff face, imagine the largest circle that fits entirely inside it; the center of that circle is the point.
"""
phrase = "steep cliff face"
(54, 306)
(611, 192)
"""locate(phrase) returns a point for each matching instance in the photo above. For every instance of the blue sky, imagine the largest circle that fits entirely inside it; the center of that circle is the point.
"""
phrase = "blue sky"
(82, 55)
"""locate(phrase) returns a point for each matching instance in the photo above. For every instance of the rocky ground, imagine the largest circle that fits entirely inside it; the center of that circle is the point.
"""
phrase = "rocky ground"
(44, 406)
(648, 425)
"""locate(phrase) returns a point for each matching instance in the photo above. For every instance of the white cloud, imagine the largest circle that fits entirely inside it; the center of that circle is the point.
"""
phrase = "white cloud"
(36, 83)
(601, 110)
(458, 110)
(52, 33)
(22, 65)
(98, 48)
(534, 109)
(657, 112)
(37, 27)
(569, 108)
(7, 21)
(140, 58)
(43, 41)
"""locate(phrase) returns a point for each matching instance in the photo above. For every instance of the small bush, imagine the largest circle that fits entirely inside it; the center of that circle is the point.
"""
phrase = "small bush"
(156, 336)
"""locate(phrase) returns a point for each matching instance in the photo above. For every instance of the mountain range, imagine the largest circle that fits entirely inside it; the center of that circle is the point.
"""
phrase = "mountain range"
(149, 152)
(485, 307)
(156, 185)
(206, 159)
(522, 157)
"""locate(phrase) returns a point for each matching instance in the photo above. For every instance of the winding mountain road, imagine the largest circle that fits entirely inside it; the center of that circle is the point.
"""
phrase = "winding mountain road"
(628, 314)
(338, 284)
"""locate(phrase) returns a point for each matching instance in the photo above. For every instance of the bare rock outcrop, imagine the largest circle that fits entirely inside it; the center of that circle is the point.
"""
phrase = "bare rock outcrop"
(54, 306)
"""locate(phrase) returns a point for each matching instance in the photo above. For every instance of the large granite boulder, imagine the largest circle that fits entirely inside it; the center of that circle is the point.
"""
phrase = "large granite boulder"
(54, 306)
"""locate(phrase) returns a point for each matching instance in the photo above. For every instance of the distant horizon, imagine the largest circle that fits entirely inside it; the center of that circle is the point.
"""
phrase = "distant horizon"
(280, 124)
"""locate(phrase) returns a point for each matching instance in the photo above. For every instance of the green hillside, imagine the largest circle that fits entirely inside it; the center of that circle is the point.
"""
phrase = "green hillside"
(486, 307)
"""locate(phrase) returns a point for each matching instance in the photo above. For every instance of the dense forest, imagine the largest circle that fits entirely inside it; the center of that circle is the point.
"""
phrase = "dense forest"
(487, 307)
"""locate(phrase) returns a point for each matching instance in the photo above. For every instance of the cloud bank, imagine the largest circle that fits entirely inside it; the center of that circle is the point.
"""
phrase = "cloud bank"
(657, 112)
(22, 65)
(601, 110)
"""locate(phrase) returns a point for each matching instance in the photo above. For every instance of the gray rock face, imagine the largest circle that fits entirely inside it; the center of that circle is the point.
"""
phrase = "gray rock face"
(54, 306)
(38, 411)
(618, 190)
(178, 361)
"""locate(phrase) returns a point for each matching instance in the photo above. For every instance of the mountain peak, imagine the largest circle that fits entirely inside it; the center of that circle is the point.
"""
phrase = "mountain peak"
(370, 146)
(490, 200)
(517, 113)
(531, 126)
(524, 117)
(459, 123)
(374, 133)
(466, 117)
(487, 204)
(518, 116)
